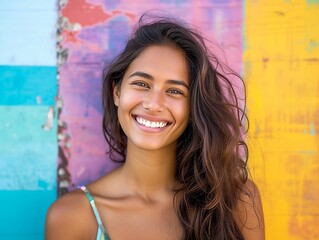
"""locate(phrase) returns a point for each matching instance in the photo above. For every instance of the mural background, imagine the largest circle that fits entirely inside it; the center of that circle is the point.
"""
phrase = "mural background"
(28, 126)
(51, 60)
(92, 34)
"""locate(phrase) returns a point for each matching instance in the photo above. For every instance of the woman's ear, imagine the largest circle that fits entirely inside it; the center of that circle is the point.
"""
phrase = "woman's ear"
(116, 95)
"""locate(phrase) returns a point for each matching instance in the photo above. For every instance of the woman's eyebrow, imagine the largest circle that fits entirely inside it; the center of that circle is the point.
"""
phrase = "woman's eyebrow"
(150, 77)
(142, 74)
(178, 82)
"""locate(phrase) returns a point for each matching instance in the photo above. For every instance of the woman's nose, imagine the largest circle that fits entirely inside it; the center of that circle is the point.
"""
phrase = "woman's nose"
(153, 102)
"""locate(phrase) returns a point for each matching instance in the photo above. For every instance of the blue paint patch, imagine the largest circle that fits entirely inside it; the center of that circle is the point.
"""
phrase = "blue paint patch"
(43, 184)
(29, 5)
(23, 85)
(28, 153)
(28, 32)
(112, 4)
(118, 27)
(312, 129)
(23, 213)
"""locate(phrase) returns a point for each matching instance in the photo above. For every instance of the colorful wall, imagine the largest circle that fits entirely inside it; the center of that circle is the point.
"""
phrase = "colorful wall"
(28, 125)
(281, 62)
(51, 60)
(91, 35)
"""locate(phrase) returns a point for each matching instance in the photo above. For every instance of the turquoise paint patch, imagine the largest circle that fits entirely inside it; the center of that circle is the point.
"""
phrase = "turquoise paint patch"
(22, 85)
(24, 236)
(28, 32)
(23, 213)
(42, 184)
(28, 152)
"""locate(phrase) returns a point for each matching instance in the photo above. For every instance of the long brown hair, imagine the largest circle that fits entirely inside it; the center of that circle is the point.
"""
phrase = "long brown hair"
(211, 154)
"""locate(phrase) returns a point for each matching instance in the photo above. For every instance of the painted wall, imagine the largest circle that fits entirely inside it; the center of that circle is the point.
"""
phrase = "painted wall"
(281, 60)
(28, 139)
(275, 44)
(92, 33)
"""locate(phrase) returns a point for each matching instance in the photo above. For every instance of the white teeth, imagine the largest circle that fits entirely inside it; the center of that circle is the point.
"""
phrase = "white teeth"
(150, 124)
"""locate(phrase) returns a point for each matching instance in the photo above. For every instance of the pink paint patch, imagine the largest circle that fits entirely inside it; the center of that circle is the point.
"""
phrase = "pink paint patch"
(79, 11)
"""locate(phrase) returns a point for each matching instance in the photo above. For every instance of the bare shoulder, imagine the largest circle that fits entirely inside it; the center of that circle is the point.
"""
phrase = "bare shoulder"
(249, 213)
(67, 218)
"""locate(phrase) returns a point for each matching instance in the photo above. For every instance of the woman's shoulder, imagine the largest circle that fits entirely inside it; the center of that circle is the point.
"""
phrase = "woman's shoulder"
(249, 212)
(67, 217)
(68, 205)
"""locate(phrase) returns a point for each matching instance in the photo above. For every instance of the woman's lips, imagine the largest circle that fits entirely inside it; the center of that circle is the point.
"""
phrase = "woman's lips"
(144, 121)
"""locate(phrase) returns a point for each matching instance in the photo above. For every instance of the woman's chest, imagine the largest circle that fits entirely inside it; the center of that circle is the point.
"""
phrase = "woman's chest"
(136, 220)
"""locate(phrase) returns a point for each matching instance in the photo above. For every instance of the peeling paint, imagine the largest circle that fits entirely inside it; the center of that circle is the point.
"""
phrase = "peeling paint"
(64, 138)
(62, 56)
(62, 3)
(64, 142)
(39, 99)
(49, 121)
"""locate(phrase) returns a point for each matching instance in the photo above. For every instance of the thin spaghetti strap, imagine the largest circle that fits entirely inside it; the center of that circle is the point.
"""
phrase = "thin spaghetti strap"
(96, 213)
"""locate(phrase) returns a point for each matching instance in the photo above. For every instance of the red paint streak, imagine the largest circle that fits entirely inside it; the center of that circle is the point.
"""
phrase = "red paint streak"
(85, 14)
(79, 11)
(71, 37)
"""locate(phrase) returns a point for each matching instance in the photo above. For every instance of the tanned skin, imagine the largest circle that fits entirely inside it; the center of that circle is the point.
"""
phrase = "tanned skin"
(135, 201)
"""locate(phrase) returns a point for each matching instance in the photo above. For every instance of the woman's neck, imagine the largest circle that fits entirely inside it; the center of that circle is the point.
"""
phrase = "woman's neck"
(149, 172)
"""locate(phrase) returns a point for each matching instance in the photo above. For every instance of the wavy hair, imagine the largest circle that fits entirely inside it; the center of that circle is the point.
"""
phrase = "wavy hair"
(211, 153)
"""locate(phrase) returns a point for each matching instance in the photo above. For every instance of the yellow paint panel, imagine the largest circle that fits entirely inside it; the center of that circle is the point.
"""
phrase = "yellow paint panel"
(282, 76)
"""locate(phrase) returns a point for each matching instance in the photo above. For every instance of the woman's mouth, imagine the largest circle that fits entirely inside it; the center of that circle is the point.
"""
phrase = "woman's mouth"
(151, 124)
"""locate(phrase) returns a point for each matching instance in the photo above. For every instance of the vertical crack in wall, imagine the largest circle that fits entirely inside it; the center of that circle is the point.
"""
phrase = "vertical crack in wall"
(64, 139)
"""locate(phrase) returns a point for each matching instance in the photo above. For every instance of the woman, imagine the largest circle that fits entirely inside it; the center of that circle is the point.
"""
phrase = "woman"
(173, 118)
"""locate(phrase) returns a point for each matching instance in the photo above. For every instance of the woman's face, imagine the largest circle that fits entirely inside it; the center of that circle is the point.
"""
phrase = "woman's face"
(153, 99)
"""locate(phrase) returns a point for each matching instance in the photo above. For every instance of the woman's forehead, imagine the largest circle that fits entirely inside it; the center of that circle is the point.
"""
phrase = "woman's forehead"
(161, 60)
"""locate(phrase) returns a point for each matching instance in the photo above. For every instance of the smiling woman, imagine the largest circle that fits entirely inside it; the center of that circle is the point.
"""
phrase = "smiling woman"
(153, 107)
(174, 120)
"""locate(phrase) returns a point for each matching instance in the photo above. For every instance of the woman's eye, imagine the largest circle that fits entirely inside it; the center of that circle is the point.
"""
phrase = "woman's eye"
(140, 84)
(175, 91)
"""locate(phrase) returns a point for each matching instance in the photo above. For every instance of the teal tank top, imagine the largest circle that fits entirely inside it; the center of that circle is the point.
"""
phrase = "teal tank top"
(101, 232)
